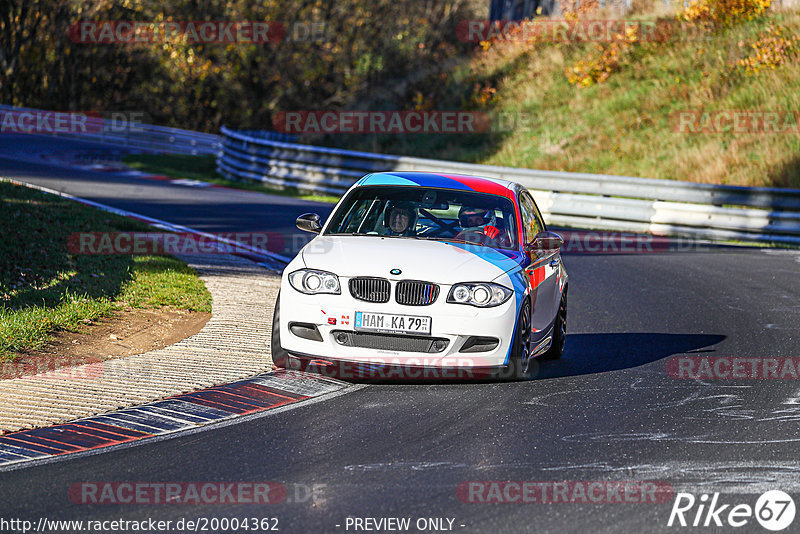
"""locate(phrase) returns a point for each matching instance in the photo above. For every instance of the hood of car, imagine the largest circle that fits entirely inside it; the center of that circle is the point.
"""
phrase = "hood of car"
(417, 259)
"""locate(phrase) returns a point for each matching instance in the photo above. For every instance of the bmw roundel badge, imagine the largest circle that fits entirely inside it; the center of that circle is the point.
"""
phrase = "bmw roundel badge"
(395, 271)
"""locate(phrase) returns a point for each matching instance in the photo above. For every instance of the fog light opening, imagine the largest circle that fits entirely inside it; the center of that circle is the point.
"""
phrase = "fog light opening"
(341, 338)
(439, 345)
(305, 331)
(479, 344)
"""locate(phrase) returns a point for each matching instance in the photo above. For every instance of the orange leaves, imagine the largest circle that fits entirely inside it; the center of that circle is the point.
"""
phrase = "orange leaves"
(718, 14)
(575, 9)
(772, 49)
(598, 68)
(483, 95)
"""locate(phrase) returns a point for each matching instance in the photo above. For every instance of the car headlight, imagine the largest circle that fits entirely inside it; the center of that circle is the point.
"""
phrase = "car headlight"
(314, 282)
(481, 294)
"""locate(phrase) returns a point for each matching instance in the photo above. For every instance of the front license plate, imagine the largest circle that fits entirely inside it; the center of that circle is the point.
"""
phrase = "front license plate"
(393, 324)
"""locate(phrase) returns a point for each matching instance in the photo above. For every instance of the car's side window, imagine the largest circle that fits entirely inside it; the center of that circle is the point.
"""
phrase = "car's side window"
(540, 220)
(531, 220)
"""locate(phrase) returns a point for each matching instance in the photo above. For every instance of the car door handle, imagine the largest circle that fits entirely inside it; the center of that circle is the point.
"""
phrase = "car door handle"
(555, 262)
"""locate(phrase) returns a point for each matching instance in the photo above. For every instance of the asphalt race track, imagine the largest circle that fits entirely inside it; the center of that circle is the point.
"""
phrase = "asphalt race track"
(202, 209)
(608, 411)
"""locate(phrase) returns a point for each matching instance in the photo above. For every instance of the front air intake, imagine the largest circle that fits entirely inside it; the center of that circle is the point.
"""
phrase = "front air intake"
(400, 343)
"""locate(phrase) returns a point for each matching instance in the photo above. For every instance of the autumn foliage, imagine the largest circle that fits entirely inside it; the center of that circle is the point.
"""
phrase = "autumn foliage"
(699, 16)
(718, 14)
(597, 68)
(363, 46)
(774, 47)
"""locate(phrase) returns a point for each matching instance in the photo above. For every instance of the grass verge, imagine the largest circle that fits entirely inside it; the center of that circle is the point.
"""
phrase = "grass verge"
(625, 125)
(44, 288)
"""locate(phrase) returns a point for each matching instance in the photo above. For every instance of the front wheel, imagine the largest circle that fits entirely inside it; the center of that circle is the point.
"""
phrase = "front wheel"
(556, 349)
(520, 365)
(279, 356)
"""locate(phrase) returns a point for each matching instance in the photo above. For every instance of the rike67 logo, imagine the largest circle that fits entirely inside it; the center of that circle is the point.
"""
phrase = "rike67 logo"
(774, 510)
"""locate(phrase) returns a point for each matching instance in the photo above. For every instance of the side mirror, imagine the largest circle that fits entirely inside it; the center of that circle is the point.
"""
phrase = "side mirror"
(546, 241)
(309, 222)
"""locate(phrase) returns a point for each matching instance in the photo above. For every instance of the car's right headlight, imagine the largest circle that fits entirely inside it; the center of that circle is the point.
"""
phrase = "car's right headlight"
(312, 282)
(480, 294)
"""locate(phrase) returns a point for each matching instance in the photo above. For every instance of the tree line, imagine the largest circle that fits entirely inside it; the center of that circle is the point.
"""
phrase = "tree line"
(76, 55)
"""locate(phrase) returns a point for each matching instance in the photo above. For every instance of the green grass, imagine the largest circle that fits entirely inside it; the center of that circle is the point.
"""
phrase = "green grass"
(204, 168)
(45, 288)
(622, 126)
(164, 281)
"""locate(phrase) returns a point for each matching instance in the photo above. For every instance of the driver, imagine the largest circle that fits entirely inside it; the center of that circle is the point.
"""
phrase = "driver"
(477, 226)
(400, 219)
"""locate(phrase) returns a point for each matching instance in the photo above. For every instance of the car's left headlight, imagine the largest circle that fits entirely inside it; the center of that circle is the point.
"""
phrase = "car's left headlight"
(481, 294)
(313, 282)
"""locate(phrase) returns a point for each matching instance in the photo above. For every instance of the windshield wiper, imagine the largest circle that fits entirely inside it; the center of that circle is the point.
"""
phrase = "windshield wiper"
(456, 240)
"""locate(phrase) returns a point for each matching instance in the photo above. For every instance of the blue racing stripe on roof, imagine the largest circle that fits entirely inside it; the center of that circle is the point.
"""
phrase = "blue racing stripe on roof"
(415, 178)
(386, 179)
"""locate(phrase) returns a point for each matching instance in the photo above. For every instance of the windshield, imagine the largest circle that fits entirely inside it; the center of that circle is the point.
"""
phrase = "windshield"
(427, 213)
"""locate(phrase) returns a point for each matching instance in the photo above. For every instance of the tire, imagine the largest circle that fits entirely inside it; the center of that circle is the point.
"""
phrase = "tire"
(556, 349)
(516, 369)
(279, 356)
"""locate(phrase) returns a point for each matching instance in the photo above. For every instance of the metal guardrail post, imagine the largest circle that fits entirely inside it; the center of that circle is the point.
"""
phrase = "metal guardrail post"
(149, 138)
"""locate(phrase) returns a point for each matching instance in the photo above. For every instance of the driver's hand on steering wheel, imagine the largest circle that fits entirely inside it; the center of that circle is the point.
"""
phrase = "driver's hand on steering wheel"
(491, 232)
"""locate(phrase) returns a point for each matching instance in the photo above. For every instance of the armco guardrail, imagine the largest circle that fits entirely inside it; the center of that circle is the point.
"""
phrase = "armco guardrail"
(139, 136)
(566, 199)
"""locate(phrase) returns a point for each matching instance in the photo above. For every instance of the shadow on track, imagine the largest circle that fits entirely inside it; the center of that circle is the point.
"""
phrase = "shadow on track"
(584, 354)
(598, 353)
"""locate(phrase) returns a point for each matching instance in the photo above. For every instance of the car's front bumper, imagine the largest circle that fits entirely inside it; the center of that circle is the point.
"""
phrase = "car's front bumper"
(456, 323)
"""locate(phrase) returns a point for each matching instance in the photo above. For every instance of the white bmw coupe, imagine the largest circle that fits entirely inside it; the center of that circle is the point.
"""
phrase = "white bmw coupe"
(424, 275)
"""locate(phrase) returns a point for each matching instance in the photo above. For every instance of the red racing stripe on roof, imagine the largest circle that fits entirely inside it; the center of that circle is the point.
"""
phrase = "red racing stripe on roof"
(481, 185)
